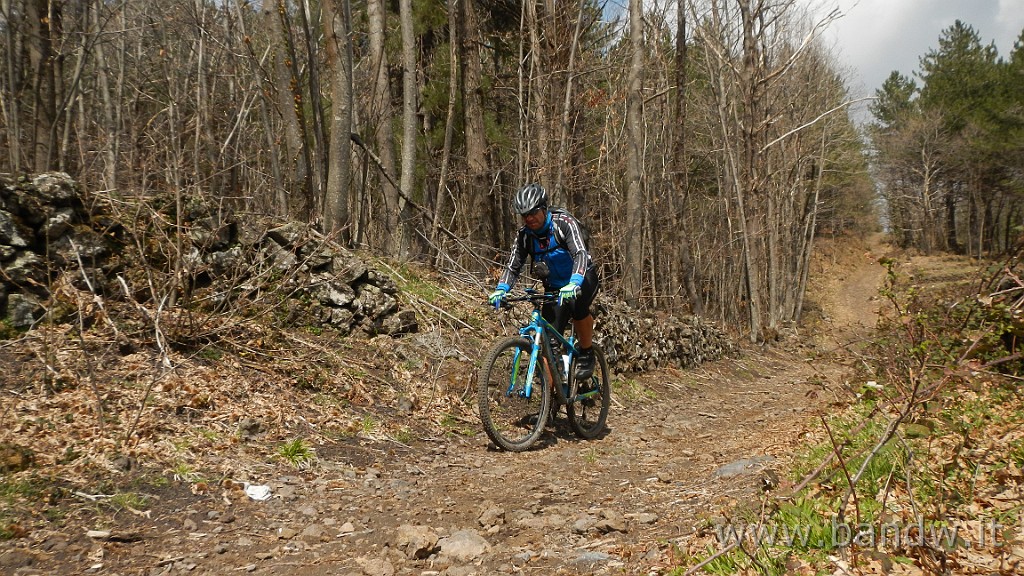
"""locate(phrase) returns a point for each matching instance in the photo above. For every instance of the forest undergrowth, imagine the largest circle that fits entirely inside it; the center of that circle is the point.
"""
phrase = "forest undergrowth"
(922, 472)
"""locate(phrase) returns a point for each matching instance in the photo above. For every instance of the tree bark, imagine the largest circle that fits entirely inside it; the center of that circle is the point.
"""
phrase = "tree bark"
(44, 97)
(337, 20)
(290, 103)
(410, 128)
(561, 161)
(633, 258)
(449, 124)
(681, 195)
(537, 95)
(478, 217)
(384, 133)
(318, 130)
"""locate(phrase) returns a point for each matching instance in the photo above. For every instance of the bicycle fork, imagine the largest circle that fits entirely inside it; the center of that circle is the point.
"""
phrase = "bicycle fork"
(531, 370)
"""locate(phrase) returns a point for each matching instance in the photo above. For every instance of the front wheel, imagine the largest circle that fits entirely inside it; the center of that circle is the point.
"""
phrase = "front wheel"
(588, 408)
(513, 413)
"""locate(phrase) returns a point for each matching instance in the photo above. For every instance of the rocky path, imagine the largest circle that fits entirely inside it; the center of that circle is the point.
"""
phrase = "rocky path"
(696, 441)
(682, 446)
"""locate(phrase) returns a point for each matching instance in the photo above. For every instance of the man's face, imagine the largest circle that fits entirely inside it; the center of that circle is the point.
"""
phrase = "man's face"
(535, 220)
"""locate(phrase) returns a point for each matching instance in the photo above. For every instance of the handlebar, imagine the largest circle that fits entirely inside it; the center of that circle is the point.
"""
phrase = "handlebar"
(535, 297)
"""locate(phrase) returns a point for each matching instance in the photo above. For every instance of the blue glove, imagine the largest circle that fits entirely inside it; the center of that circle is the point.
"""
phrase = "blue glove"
(496, 297)
(568, 292)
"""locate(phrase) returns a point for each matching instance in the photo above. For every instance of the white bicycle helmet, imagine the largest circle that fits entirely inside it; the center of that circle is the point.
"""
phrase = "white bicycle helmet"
(529, 198)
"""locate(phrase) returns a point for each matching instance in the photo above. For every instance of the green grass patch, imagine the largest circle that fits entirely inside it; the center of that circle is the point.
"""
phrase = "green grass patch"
(297, 453)
(631, 391)
(453, 426)
(129, 500)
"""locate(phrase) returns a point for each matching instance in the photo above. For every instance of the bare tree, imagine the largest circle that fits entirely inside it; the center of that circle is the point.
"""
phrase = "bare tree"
(479, 216)
(339, 47)
(291, 106)
(384, 115)
(633, 254)
(755, 52)
(410, 127)
(45, 19)
(704, 150)
(681, 172)
(449, 123)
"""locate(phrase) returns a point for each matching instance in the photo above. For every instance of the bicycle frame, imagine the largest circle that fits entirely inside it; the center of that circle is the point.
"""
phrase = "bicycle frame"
(509, 399)
(539, 331)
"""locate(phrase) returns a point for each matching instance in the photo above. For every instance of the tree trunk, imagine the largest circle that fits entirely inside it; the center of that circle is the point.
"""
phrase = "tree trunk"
(278, 197)
(337, 20)
(409, 124)
(561, 161)
(44, 96)
(538, 91)
(449, 125)
(632, 266)
(290, 106)
(318, 130)
(109, 150)
(478, 217)
(681, 195)
(11, 100)
(384, 130)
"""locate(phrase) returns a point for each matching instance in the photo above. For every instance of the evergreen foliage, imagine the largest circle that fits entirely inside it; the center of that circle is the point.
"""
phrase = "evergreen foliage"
(948, 152)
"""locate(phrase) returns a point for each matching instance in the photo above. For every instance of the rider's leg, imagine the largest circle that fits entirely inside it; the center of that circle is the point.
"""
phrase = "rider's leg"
(585, 332)
(584, 321)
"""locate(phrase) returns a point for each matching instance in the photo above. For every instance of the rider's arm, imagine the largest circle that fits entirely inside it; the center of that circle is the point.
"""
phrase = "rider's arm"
(569, 228)
(514, 266)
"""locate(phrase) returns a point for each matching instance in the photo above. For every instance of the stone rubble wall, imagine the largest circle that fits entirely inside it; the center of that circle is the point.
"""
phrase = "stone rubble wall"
(46, 231)
(637, 341)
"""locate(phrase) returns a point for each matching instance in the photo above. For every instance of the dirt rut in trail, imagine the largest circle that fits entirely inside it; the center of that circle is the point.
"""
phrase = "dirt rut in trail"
(681, 447)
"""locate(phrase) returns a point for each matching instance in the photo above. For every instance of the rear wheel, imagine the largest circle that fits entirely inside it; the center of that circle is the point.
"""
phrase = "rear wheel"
(588, 407)
(512, 418)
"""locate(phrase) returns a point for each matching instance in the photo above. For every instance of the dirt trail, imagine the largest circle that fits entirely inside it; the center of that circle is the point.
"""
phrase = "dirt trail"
(681, 446)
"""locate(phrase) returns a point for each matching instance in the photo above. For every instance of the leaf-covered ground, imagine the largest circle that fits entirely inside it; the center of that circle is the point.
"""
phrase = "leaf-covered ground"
(139, 457)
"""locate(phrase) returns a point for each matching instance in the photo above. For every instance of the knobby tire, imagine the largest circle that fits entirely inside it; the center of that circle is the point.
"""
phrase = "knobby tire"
(512, 421)
(588, 416)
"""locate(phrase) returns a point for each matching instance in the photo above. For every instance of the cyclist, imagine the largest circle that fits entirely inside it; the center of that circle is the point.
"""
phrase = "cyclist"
(555, 238)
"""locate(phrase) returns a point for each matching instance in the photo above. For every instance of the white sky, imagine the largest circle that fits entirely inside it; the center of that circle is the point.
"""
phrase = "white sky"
(875, 37)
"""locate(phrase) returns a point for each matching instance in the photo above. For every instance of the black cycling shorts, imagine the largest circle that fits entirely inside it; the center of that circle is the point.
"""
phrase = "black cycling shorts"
(577, 309)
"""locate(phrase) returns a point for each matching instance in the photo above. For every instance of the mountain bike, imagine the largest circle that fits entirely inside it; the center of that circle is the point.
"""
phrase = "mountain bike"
(522, 375)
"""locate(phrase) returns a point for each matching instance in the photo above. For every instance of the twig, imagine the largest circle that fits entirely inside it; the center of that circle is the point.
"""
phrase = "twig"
(836, 449)
(81, 334)
(889, 433)
(422, 301)
(92, 497)
(814, 474)
(424, 210)
(167, 368)
(712, 558)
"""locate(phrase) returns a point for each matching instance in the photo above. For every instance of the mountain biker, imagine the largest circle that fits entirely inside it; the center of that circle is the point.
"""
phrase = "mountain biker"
(556, 239)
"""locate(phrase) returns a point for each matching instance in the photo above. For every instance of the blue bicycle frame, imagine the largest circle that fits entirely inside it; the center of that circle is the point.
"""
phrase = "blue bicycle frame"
(507, 391)
(535, 331)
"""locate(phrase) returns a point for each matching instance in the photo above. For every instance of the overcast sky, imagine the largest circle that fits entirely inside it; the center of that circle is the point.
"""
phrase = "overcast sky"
(875, 37)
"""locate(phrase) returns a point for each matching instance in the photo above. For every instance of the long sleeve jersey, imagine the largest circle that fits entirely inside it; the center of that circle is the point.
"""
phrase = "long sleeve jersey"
(559, 244)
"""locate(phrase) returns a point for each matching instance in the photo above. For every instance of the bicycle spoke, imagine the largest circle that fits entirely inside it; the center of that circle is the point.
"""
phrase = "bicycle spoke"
(588, 410)
(512, 409)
